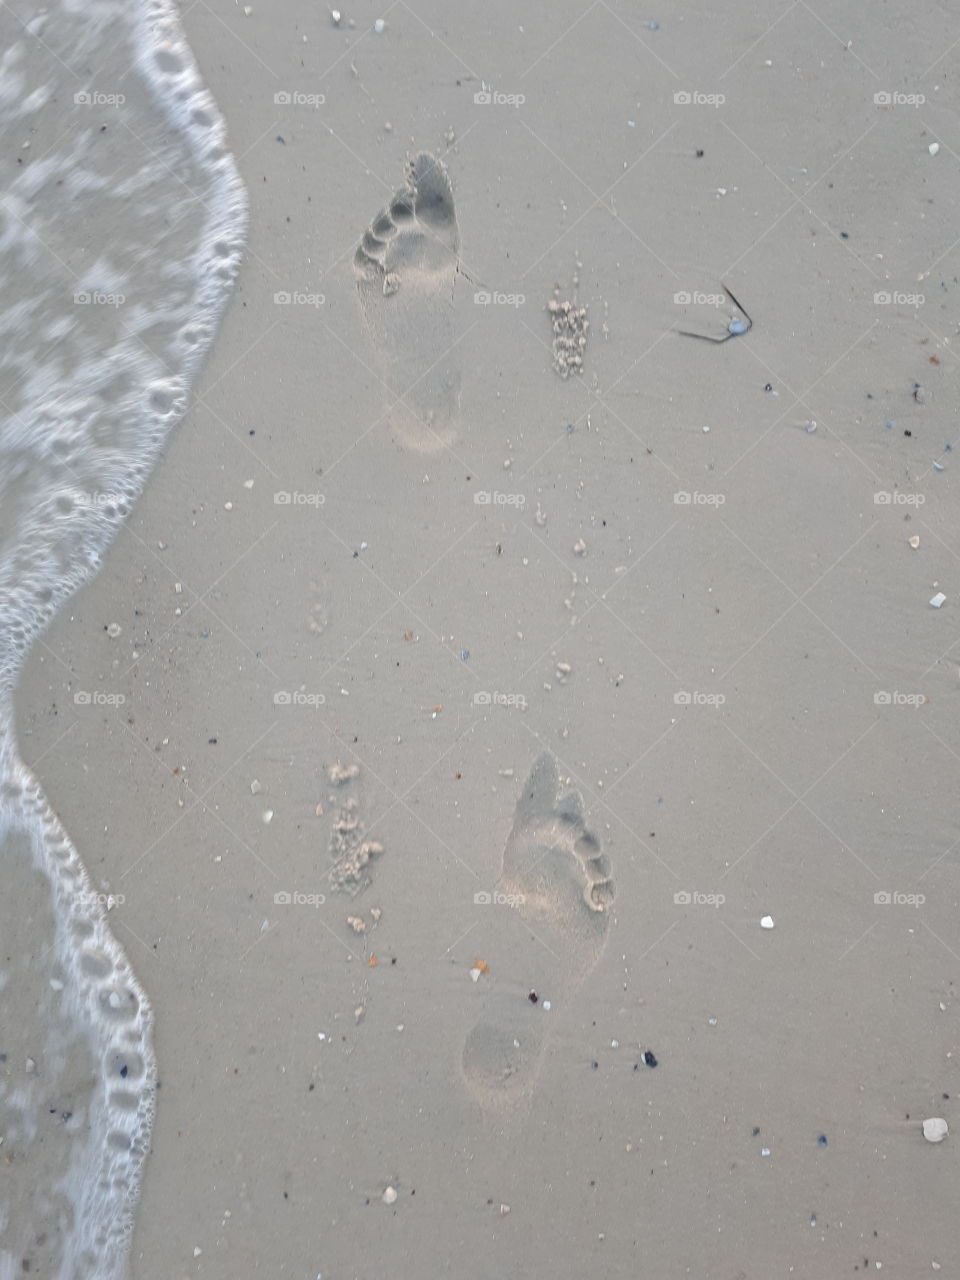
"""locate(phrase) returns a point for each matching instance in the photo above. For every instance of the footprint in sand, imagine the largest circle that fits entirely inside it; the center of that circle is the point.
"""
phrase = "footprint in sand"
(406, 266)
(557, 867)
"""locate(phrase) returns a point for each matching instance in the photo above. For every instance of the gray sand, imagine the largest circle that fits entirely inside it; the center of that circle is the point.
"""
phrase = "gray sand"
(299, 1078)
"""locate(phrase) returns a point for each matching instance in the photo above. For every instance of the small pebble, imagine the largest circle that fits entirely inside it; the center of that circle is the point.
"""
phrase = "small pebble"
(765, 1151)
(935, 1130)
(390, 1195)
(255, 787)
(933, 148)
(914, 541)
(938, 600)
(766, 922)
(267, 816)
(379, 27)
(335, 17)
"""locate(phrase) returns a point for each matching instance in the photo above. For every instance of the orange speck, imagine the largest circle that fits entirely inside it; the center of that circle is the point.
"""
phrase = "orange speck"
(372, 962)
(934, 359)
(481, 965)
(458, 776)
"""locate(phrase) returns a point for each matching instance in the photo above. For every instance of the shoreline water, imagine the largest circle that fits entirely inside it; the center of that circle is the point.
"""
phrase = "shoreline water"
(114, 300)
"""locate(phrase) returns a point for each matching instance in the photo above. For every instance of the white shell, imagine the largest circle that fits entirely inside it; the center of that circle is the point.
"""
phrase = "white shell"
(935, 1130)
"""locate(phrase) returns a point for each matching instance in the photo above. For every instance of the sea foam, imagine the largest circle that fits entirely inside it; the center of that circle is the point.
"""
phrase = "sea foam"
(121, 233)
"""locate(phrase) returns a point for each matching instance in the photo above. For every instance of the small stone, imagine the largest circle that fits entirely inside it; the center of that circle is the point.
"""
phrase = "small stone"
(766, 922)
(335, 17)
(379, 27)
(197, 1251)
(356, 924)
(228, 506)
(358, 1013)
(579, 547)
(933, 148)
(390, 1195)
(31, 1067)
(475, 974)
(267, 817)
(938, 600)
(255, 787)
(914, 541)
(935, 1130)
(504, 1210)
